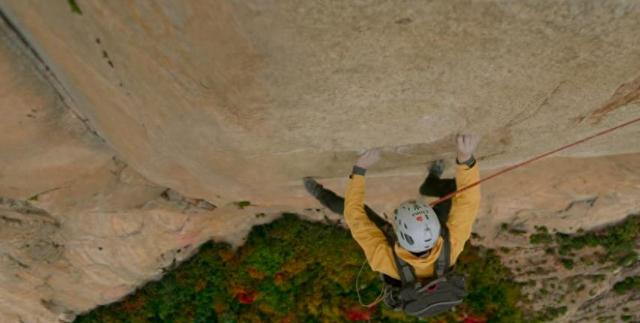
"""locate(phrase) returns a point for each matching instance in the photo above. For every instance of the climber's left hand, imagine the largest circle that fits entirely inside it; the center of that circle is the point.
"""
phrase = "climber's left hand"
(368, 158)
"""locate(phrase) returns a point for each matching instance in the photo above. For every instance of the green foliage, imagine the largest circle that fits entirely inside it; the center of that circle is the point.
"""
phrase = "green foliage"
(541, 236)
(629, 259)
(628, 284)
(618, 240)
(74, 7)
(490, 285)
(181, 295)
(300, 272)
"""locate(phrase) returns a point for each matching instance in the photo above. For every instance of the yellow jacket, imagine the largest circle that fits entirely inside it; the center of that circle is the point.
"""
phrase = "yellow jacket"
(371, 239)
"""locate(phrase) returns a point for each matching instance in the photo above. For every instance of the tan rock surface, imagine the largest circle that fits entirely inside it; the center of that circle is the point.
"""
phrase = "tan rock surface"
(228, 101)
(222, 98)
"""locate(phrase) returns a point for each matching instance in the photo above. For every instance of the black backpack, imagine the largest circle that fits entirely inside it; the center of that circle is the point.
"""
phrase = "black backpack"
(441, 293)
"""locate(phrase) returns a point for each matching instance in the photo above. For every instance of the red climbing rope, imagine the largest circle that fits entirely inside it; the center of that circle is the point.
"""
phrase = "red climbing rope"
(450, 195)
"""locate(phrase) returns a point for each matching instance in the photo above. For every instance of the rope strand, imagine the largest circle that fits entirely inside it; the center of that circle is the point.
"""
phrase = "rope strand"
(377, 300)
(508, 169)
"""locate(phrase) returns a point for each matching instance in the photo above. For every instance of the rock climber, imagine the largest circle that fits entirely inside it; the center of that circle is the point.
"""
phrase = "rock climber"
(418, 237)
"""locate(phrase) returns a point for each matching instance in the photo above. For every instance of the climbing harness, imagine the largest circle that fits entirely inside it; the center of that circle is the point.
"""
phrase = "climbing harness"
(420, 298)
(508, 169)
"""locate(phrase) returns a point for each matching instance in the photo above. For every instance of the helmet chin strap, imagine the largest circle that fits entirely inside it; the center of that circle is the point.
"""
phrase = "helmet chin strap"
(421, 254)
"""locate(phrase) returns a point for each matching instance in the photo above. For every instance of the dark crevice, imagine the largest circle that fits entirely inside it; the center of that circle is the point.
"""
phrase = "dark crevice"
(18, 262)
(589, 202)
(25, 208)
(7, 219)
(185, 203)
(48, 74)
(22, 38)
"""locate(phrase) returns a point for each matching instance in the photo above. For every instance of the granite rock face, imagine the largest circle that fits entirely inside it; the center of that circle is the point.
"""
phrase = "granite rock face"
(131, 128)
(222, 98)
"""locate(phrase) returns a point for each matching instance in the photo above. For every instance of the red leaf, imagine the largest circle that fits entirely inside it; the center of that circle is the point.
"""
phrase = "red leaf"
(471, 319)
(359, 314)
(246, 297)
(279, 278)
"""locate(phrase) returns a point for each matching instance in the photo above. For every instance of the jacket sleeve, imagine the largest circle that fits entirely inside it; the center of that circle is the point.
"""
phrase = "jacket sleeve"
(464, 209)
(366, 233)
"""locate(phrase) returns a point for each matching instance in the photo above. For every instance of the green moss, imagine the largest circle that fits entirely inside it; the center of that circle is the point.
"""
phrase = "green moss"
(567, 263)
(301, 272)
(242, 204)
(74, 7)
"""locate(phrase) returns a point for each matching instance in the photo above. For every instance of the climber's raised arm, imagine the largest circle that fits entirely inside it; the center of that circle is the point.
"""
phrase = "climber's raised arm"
(370, 238)
(465, 205)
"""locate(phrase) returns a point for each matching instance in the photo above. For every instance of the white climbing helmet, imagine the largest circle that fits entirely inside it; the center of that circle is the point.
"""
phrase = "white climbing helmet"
(416, 226)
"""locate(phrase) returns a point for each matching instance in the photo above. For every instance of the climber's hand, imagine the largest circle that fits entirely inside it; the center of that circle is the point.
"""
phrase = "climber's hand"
(368, 158)
(467, 144)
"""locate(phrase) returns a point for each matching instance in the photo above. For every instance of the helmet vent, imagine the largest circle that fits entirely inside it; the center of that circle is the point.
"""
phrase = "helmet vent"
(409, 239)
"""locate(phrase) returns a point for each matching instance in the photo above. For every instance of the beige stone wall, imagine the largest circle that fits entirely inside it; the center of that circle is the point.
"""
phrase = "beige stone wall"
(222, 101)
(220, 98)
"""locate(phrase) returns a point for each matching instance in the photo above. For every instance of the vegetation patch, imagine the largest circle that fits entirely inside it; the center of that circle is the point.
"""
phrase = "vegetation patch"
(567, 263)
(542, 236)
(292, 270)
(242, 204)
(74, 7)
(618, 242)
(628, 284)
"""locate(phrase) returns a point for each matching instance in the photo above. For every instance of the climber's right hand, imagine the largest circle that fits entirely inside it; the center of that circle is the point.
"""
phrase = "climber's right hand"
(467, 144)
